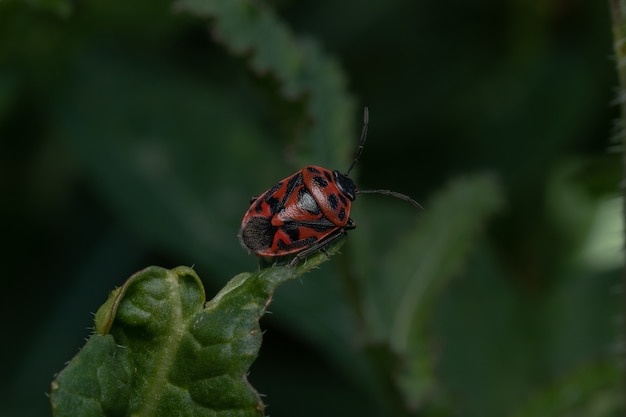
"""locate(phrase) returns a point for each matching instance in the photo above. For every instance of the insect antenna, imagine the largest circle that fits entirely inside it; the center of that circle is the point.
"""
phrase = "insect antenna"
(359, 150)
(393, 194)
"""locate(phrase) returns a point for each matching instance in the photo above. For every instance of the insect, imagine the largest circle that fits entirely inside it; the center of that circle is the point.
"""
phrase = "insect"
(306, 211)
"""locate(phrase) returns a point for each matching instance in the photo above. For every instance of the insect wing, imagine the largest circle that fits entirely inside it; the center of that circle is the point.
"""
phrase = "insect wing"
(257, 232)
(300, 224)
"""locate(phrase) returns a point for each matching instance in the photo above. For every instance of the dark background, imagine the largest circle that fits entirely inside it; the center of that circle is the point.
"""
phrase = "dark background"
(130, 136)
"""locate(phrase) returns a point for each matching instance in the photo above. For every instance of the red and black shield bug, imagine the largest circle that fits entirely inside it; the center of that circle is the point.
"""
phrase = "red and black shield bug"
(306, 211)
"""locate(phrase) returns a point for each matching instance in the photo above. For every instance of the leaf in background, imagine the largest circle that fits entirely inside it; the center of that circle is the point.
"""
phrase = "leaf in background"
(62, 8)
(182, 148)
(159, 351)
(418, 268)
(591, 391)
(251, 28)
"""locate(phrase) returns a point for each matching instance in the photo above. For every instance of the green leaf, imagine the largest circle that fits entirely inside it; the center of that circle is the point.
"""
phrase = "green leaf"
(591, 391)
(416, 271)
(159, 350)
(250, 28)
(169, 163)
(436, 250)
(62, 8)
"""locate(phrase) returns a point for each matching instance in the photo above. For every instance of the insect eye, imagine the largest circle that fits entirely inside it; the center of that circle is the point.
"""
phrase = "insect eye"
(345, 185)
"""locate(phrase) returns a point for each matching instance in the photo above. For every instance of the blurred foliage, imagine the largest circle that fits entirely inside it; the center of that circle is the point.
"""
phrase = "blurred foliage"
(136, 134)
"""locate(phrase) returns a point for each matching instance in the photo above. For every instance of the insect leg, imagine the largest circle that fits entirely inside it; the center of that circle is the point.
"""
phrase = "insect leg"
(319, 246)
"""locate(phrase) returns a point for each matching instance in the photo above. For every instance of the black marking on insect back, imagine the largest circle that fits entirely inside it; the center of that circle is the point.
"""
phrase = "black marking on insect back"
(342, 214)
(293, 183)
(313, 170)
(296, 244)
(292, 231)
(318, 225)
(320, 181)
(269, 199)
(333, 201)
(258, 233)
(274, 205)
(328, 176)
(343, 200)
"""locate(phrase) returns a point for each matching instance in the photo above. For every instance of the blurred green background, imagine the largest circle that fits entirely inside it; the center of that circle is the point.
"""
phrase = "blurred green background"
(135, 133)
